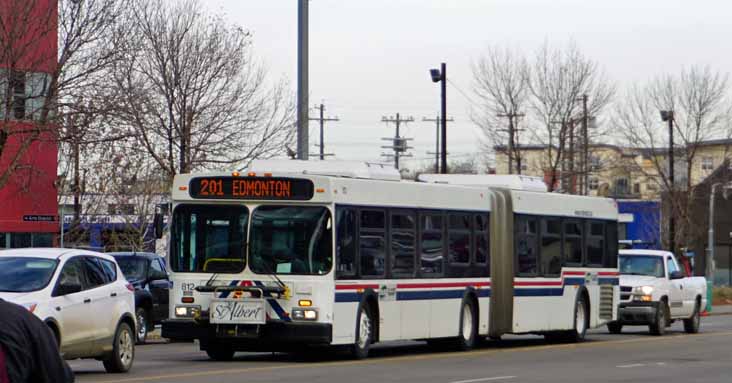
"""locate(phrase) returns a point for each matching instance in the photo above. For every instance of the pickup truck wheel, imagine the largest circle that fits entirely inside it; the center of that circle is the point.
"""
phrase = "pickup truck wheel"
(614, 327)
(691, 325)
(658, 327)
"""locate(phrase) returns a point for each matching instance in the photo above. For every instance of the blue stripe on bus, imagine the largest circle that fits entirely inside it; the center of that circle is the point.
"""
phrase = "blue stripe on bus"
(225, 294)
(538, 292)
(574, 281)
(347, 297)
(281, 313)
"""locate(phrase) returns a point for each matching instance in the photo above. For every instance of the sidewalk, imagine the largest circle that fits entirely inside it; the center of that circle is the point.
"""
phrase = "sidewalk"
(721, 310)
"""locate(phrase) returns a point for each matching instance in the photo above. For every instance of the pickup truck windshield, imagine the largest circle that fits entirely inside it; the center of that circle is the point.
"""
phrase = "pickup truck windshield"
(651, 266)
(291, 240)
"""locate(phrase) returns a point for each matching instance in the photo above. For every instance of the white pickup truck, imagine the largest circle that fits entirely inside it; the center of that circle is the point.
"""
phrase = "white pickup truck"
(655, 292)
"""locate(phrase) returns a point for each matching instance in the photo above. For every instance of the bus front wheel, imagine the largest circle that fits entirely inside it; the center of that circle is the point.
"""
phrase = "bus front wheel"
(364, 333)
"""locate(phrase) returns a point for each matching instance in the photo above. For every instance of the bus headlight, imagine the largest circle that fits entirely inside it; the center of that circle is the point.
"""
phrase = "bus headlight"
(300, 313)
(187, 311)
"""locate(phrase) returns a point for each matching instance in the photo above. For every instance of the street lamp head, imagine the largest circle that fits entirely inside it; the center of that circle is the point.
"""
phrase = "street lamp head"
(667, 115)
(436, 75)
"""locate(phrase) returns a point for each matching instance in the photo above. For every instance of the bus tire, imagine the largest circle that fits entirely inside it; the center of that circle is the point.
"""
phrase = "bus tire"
(581, 323)
(615, 327)
(658, 327)
(220, 352)
(364, 332)
(468, 333)
(691, 325)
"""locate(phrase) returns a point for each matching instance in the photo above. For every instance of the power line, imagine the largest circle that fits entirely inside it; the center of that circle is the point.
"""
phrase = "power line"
(322, 121)
(399, 144)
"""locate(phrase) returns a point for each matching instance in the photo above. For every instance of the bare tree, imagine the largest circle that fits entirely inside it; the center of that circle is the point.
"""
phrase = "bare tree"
(192, 91)
(501, 84)
(702, 110)
(559, 77)
(44, 74)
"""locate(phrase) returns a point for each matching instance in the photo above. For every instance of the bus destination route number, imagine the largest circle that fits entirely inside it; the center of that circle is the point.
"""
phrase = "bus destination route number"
(256, 188)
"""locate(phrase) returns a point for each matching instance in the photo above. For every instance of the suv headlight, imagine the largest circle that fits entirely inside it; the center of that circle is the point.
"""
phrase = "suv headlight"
(187, 311)
(300, 313)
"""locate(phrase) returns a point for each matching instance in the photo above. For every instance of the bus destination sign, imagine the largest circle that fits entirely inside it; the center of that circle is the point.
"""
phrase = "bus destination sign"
(255, 188)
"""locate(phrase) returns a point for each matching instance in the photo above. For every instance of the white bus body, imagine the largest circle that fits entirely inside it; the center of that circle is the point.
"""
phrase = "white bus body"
(421, 256)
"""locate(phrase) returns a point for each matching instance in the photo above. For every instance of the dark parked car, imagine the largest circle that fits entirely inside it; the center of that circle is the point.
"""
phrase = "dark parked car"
(146, 271)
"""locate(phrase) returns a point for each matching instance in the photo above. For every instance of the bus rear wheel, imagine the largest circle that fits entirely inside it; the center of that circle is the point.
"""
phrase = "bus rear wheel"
(468, 326)
(364, 333)
(581, 323)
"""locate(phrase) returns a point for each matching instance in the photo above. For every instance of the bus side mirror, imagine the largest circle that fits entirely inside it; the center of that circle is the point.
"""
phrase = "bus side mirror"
(158, 225)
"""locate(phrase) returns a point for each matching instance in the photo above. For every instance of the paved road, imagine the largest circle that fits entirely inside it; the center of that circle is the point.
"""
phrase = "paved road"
(633, 356)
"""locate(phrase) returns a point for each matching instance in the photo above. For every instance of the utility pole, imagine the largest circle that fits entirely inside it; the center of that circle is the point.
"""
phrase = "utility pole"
(399, 144)
(668, 116)
(586, 148)
(512, 133)
(443, 98)
(437, 121)
(302, 80)
(322, 120)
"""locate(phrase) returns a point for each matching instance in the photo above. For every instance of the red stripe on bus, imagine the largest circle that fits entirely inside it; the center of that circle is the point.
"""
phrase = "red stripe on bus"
(355, 287)
(558, 283)
(575, 273)
(441, 284)
(609, 273)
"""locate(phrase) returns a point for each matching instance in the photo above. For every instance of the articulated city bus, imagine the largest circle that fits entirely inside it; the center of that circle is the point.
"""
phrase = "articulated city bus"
(296, 253)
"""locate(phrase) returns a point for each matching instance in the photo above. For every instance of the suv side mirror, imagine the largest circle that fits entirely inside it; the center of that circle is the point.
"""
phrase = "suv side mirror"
(676, 275)
(158, 225)
(67, 288)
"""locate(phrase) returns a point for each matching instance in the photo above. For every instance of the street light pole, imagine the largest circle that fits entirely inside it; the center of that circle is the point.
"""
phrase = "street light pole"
(302, 81)
(668, 115)
(444, 117)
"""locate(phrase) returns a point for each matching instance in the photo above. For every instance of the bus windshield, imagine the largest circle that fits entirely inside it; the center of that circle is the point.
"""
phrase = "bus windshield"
(209, 239)
(641, 265)
(291, 240)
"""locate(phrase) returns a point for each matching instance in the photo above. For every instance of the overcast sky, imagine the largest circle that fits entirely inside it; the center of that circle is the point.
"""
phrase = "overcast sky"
(370, 58)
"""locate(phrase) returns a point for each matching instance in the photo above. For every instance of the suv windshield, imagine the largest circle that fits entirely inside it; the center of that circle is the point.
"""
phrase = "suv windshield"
(641, 265)
(209, 239)
(132, 268)
(24, 274)
(291, 240)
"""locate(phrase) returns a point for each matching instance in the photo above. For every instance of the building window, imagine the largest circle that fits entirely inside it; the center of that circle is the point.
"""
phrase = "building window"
(524, 167)
(595, 163)
(17, 87)
(707, 163)
(636, 188)
(621, 186)
(594, 183)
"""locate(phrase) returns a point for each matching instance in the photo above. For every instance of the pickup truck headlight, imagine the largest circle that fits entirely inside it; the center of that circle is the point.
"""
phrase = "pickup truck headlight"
(643, 290)
(309, 313)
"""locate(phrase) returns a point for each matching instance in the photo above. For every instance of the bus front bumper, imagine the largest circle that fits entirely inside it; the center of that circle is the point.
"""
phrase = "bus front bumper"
(273, 333)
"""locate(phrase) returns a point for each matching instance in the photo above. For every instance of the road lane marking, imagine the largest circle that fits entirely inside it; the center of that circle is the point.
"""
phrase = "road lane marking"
(631, 365)
(431, 356)
(484, 379)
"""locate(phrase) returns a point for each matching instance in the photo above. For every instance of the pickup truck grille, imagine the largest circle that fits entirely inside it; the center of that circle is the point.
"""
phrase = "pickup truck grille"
(606, 302)
(625, 292)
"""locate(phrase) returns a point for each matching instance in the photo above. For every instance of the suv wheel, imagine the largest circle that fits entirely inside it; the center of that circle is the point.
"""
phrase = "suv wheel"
(142, 321)
(123, 350)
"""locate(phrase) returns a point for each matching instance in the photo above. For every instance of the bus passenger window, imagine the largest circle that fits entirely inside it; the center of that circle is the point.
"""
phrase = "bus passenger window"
(573, 243)
(372, 243)
(459, 238)
(595, 243)
(345, 243)
(482, 247)
(611, 244)
(432, 241)
(402, 244)
(551, 247)
(526, 245)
